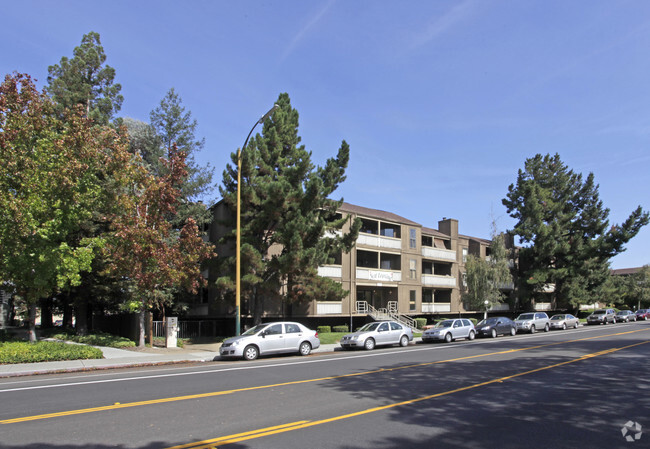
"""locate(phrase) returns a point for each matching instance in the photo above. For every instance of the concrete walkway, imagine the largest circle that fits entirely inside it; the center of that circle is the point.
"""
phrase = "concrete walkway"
(123, 358)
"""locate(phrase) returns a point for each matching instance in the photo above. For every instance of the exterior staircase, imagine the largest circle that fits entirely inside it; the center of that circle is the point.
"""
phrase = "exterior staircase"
(388, 313)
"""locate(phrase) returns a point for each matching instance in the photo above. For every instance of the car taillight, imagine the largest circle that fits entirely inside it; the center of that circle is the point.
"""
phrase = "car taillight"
(316, 335)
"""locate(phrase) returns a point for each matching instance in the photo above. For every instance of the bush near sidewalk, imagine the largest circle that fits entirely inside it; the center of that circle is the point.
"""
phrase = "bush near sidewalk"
(97, 339)
(45, 351)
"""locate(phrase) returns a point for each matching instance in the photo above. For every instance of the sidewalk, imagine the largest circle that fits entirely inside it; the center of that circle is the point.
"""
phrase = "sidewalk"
(124, 358)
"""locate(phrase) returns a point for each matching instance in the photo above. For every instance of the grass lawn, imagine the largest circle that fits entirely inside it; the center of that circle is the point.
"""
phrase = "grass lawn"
(328, 338)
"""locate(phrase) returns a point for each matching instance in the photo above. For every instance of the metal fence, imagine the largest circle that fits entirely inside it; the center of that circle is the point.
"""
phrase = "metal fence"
(188, 329)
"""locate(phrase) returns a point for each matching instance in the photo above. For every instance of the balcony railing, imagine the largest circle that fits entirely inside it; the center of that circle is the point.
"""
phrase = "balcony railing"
(434, 280)
(379, 275)
(432, 307)
(379, 241)
(330, 271)
(439, 254)
(329, 308)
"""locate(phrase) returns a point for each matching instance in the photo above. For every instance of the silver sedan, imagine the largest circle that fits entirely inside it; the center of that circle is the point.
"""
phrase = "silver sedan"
(449, 330)
(563, 321)
(378, 333)
(271, 338)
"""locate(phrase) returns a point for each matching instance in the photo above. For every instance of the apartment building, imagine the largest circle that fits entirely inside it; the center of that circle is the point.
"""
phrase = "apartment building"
(397, 265)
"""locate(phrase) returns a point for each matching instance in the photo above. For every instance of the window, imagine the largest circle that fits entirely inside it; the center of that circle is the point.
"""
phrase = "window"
(369, 226)
(390, 261)
(427, 241)
(412, 294)
(367, 259)
(464, 255)
(383, 327)
(412, 241)
(292, 328)
(413, 274)
(395, 327)
(390, 230)
(427, 295)
(276, 329)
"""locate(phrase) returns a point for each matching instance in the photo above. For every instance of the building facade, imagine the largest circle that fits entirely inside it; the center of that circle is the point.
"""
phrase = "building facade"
(397, 265)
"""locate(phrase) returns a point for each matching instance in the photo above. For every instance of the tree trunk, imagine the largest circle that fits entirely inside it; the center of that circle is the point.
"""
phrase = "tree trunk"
(150, 327)
(141, 328)
(81, 318)
(32, 323)
(46, 313)
(67, 315)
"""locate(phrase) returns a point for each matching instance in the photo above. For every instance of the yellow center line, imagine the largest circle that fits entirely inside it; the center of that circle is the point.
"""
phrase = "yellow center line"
(284, 384)
(236, 438)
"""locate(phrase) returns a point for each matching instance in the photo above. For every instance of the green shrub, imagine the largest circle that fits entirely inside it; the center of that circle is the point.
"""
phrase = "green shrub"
(45, 351)
(342, 328)
(420, 322)
(324, 329)
(99, 339)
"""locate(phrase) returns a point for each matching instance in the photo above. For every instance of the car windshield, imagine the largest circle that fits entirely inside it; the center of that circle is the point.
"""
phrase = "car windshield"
(369, 327)
(557, 317)
(446, 323)
(623, 312)
(599, 312)
(526, 316)
(255, 329)
(488, 322)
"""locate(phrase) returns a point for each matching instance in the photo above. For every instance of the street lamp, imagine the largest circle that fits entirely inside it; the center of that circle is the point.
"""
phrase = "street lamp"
(238, 257)
(486, 307)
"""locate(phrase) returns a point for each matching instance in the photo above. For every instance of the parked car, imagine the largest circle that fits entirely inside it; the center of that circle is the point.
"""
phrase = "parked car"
(643, 314)
(271, 338)
(496, 325)
(532, 322)
(602, 316)
(449, 330)
(563, 321)
(625, 316)
(378, 333)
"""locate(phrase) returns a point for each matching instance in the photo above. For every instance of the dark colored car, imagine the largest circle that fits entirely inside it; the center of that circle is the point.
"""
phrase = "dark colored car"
(643, 314)
(496, 325)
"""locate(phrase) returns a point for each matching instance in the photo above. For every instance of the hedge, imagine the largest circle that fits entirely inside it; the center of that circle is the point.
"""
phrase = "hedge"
(342, 328)
(324, 329)
(420, 322)
(45, 351)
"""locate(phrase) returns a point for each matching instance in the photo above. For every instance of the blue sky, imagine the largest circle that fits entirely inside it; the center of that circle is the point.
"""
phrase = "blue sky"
(440, 101)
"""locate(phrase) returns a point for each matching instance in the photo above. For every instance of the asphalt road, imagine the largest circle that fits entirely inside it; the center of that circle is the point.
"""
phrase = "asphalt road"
(574, 388)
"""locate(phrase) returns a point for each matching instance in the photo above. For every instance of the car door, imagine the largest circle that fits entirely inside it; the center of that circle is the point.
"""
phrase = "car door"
(396, 332)
(292, 336)
(457, 329)
(383, 334)
(272, 339)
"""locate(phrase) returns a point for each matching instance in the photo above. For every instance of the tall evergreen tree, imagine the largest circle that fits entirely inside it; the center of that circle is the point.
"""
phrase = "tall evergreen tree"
(174, 125)
(285, 205)
(85, 81)
(563, 227)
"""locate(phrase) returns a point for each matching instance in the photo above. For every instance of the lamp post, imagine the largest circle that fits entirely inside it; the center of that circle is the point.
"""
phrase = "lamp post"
(486, 308)
(238, 256)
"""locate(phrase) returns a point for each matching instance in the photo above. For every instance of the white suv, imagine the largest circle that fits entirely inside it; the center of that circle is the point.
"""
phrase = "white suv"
(532, 322)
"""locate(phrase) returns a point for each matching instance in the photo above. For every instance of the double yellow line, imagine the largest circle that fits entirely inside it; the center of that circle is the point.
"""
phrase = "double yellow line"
(118, 406)
(267, 431)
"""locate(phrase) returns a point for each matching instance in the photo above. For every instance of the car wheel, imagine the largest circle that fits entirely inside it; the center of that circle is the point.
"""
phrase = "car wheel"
(471, 335)
(513, 331)
(251, 352)
(448, 337)
(493, 333)
(369, 344)
(404, 341)
(547, 328)
(532, 329)
(575, 326)
(563, 326)
(305, 348)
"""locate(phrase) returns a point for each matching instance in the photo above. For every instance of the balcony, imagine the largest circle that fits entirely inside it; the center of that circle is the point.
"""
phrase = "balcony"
(330, 271)
(432, 307)
(433, 280)
(439, 254)
(379, 241)
(379, 275)
(329, 308)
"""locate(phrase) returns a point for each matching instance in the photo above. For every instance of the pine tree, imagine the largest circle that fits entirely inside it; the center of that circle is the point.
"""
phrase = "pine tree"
(85, 81)
(563, 227)
(285, 205)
